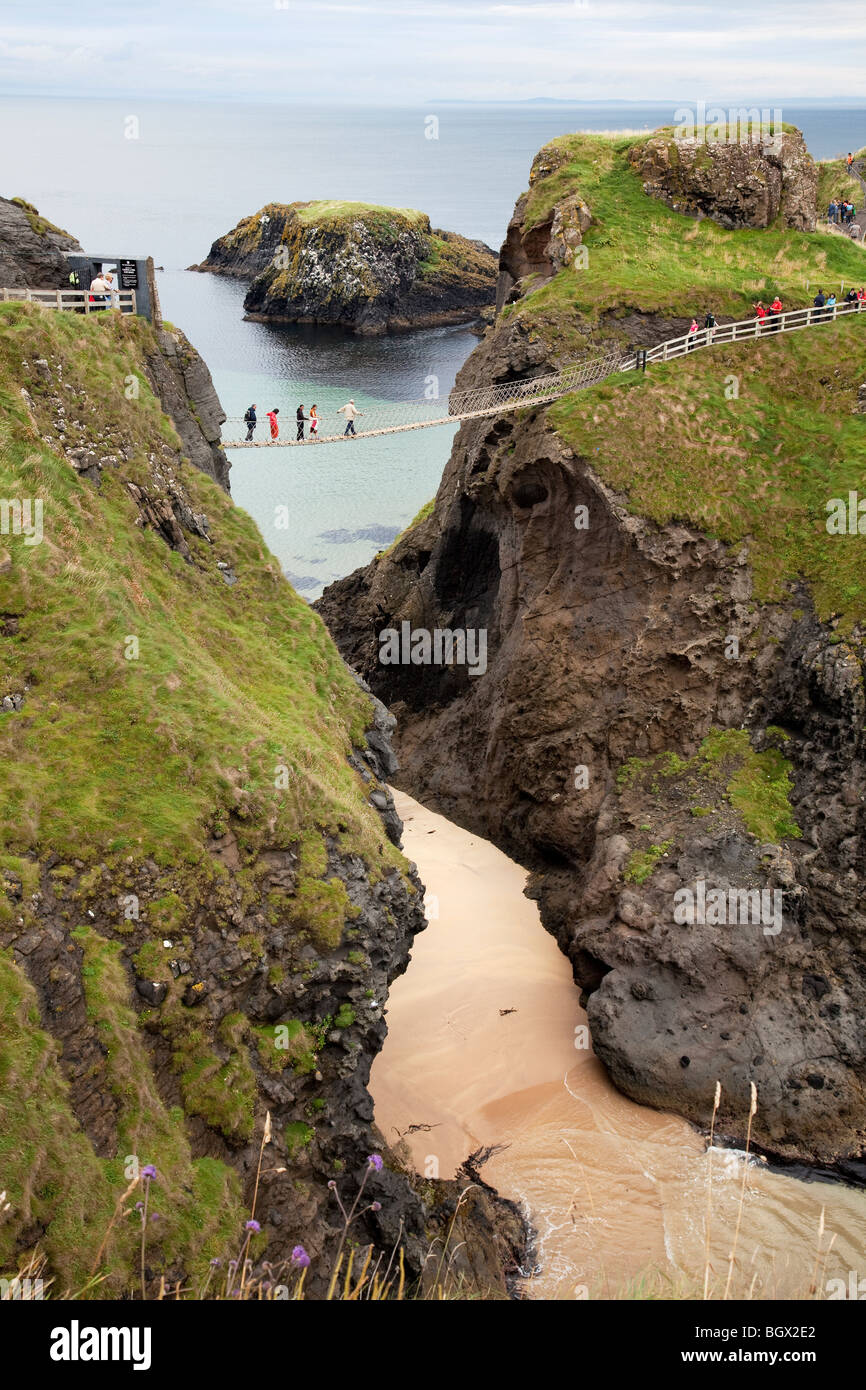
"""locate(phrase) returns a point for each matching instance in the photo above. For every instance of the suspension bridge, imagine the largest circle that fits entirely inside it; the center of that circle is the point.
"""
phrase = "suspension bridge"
(398, 416)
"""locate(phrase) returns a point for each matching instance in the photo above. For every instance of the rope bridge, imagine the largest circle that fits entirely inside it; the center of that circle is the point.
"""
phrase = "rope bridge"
(396, 417)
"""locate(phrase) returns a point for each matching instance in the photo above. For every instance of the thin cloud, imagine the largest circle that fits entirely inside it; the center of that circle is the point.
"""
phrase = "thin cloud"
(473, 50)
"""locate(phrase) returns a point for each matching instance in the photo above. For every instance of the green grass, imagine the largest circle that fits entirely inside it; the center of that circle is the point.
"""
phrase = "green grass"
(155, 754)
(200, 1229)
(121, 772)
(758, 784)
(329, 211)
(298, 1136)
(58, 1190)
(726, 773)
(760, 468)
(642, 862)
(644, 256)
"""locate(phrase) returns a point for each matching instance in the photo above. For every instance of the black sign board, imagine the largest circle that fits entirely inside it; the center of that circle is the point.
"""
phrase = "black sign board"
(128, 275)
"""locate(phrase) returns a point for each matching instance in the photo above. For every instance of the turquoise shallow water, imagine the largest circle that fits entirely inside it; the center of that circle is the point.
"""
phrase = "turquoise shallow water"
(343, 502)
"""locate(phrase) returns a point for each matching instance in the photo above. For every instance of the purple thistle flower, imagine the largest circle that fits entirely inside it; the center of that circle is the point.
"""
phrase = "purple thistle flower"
(148, 1171)
(155, 1216)
(139, 1206)
(215, 1263)
(252, 1226)
(332, 1185)
(375, 1161)
(300, 1257)
(375, 1206)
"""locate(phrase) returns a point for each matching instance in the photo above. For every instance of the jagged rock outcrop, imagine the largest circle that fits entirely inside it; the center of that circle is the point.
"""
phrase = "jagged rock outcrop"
(32, 248)
(360, 267)
(541, 250)
(738, 184)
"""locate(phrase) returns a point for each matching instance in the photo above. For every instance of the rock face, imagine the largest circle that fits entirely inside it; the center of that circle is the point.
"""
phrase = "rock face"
(356, 266)
(32, 248)
(182, 380)
(585, 751)
(736, 184)
(595, 657)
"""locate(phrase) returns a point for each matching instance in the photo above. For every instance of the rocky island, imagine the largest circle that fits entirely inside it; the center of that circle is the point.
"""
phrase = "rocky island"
(356, 266)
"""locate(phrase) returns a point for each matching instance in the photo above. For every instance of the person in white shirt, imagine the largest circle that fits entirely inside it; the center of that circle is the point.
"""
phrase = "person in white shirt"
(351, 413)
(103, 284)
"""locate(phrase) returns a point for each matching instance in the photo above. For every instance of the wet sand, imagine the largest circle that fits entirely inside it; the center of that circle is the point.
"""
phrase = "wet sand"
(487, 1045)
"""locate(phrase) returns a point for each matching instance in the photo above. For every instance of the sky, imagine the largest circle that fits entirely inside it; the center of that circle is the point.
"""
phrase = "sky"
(420, 51)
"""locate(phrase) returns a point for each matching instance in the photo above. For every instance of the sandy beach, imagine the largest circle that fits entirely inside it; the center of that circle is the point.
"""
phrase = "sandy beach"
(482, 1049)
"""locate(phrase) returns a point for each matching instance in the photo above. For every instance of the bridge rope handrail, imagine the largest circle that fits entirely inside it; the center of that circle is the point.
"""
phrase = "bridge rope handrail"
(395, 417)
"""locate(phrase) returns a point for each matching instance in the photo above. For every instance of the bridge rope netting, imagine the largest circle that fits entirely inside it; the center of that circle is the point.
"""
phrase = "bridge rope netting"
(393, 417)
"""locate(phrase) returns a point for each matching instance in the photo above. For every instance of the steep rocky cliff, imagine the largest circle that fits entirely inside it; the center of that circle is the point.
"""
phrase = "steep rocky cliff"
(361, 267)
(32, 248)
(673, 697)
(202, 902)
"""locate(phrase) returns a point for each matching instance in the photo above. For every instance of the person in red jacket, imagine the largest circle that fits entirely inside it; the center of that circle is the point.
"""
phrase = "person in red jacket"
(275, 428)
(775, 312)
(760, 315)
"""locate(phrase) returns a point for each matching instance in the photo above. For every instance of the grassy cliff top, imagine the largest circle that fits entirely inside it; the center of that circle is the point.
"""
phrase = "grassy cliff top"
(643, 256)
(155, 754)
(333, 211)
(332, 214)
(760, 467)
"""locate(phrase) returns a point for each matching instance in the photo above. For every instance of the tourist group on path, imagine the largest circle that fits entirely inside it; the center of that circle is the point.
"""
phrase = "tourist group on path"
(767, 314)
(251, 419)
(841, 212)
